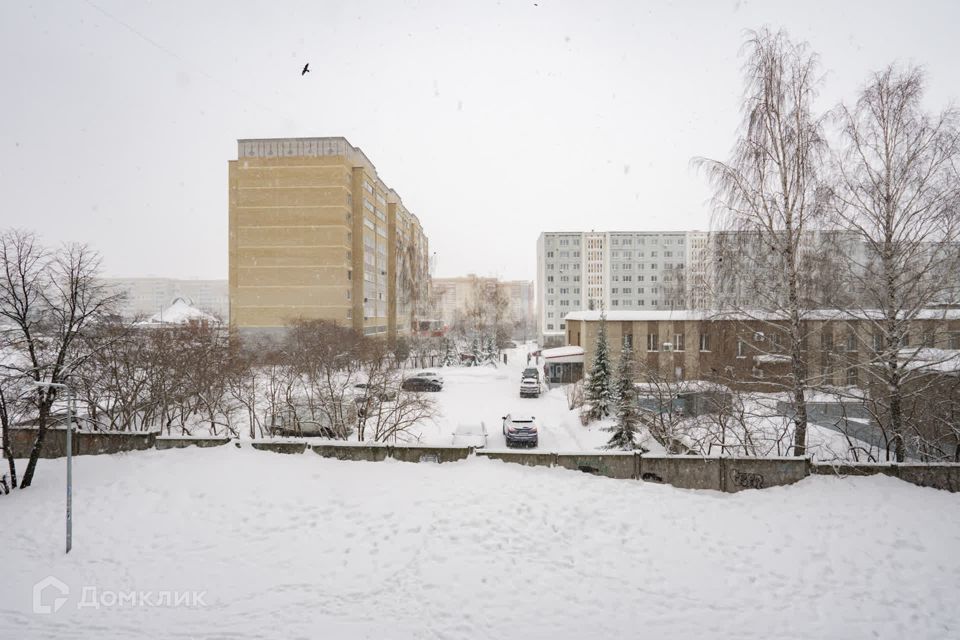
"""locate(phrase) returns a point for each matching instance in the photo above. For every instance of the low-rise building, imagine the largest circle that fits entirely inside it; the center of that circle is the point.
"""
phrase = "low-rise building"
(751, 352)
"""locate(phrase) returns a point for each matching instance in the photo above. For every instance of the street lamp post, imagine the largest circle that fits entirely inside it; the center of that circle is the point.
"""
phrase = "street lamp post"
(60, 385)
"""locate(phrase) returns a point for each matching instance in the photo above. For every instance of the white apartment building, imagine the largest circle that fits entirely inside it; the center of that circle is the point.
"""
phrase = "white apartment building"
(614, 270)
(148, 296)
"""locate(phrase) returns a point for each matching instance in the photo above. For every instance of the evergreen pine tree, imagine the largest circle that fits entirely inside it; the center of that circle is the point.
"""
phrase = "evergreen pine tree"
(476, 350)
(599, 387)
(625, 394)
(489, 350)
(450, 357)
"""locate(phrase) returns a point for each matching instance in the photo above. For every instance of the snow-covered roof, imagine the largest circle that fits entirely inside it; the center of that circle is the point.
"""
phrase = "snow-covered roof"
(680, 315)
(562, 352)
(771, 358)
(180, 312)
(930, 360)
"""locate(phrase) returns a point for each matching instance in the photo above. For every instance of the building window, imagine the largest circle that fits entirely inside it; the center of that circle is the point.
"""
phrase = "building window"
(740, 349)
(826, 342)
(852, 379)
(851, 345)
(678, 343)
(549, 327)
(628, 340)
(955, 340)
(704, 342)
(653, 342)
(563, 325)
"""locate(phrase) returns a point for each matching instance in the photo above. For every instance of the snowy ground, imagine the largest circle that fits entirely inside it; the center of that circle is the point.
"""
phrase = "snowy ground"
(306, 547)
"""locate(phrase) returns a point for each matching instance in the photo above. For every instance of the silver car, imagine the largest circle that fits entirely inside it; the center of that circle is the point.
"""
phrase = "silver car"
(520, 431)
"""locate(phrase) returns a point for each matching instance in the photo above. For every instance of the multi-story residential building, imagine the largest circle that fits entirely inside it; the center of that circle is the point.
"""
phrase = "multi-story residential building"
(614, 270)
(316, 234)
(457, 298)
(145, 297)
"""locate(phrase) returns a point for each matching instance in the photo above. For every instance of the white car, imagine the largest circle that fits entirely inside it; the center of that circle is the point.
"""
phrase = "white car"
(529, 388)
(471, 434)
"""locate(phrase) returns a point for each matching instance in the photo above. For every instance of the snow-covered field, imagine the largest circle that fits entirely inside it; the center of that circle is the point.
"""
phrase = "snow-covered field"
(305, 547)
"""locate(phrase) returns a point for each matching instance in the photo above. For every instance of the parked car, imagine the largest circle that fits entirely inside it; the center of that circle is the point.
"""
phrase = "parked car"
(529, 388)
(510, 344)
(416, 383)
(520, 430)
(470, 434)
(313, 423)
(531, 372)
(364, 391)
(433, 375)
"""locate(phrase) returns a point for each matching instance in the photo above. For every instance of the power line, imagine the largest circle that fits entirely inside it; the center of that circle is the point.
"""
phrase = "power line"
(182, 60)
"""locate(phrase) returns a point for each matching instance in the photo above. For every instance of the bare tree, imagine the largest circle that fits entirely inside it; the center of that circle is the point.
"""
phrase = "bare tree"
(767, 194)
(49, 299)
(14, 394)
(897, 189)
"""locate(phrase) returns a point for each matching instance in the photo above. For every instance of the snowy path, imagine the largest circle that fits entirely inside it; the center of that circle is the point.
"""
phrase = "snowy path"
(307, 547)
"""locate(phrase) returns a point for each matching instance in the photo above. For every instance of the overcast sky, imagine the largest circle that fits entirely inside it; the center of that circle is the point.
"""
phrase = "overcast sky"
(494, 121)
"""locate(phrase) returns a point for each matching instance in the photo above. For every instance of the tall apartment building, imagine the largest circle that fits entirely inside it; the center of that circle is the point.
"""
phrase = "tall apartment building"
(613, 270)
(316, 234)
(146, 296)
(453, 297)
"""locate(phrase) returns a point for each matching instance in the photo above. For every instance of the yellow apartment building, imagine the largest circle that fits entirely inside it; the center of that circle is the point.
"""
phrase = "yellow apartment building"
(316, 234)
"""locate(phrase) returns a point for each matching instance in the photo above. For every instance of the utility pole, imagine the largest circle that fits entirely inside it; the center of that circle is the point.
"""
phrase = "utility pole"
(70, 412)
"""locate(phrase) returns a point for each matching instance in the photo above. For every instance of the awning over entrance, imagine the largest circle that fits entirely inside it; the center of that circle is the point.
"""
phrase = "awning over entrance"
(562, 355)
(563, 364)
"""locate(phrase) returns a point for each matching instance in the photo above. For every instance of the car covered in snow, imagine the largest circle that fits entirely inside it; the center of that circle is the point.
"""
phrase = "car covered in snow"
(520, 431)
(529, 388)
(470, 434)
(363, 391)
(532, 372)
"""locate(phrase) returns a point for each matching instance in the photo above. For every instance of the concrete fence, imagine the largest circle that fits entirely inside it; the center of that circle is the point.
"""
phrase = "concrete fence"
(84, 442)
(686, 472)
(729, 474)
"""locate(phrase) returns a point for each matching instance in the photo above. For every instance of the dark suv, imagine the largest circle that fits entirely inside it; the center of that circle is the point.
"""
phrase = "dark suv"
(421, 384)
(520, 431)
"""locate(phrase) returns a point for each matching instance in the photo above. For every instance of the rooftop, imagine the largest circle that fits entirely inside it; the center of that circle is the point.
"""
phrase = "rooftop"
(680, 315)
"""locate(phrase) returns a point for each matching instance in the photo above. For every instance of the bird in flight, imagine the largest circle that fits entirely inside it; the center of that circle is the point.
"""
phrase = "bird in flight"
(306, 69)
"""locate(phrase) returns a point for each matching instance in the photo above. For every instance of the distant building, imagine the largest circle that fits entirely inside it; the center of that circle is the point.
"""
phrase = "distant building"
(615, 270)
(147, 296)
(180, 313)
(316, 234)
(456, 298)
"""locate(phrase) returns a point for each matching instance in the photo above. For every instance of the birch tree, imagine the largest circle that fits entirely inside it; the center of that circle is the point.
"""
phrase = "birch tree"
(897, 190)
(766, 195)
